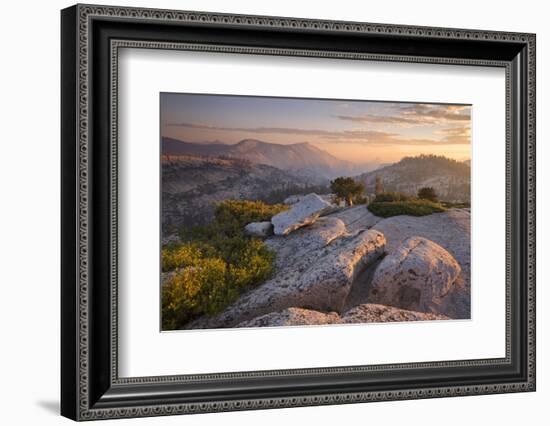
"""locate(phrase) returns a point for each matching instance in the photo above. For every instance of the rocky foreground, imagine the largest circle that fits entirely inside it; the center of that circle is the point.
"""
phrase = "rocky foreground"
(345, 265)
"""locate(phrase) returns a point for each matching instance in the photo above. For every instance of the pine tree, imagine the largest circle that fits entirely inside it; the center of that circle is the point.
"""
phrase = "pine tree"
(347, 189)
(427, 193)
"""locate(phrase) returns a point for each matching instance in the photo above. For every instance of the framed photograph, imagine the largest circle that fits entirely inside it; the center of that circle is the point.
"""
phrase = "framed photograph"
(263, 212)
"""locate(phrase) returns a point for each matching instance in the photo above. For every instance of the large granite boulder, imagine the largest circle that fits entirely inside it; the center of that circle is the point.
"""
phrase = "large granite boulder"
(259, 229)
(451, 230)
(319, 279)
(293, 316)
(303, 212)
(358, 217)
(370, 312)
(416, 276)
(305, 240)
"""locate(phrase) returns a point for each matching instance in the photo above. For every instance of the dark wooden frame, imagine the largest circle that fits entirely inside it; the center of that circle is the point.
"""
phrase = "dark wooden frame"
(90, 386)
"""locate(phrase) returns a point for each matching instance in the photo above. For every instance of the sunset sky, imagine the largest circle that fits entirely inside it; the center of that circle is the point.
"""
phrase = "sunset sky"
(359, 131)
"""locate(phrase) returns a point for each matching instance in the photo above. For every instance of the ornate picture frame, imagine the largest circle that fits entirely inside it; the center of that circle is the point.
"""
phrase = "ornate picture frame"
(91, 37)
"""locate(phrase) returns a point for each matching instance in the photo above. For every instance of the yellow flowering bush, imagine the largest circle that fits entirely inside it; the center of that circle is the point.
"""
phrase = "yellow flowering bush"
(215, 263)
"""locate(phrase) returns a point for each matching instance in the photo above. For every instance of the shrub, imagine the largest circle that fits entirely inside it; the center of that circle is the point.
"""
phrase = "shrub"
(410, 207)
(179, 256)
(208, 277)
(449, 205)
(390, 197)
(252, 265)
(215, 263)
(427, 193)
(191, 291)
(360, 199)
(232, 215)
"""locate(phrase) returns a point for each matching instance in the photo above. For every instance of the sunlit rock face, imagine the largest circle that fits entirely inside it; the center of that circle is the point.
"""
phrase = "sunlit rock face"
(416, 276)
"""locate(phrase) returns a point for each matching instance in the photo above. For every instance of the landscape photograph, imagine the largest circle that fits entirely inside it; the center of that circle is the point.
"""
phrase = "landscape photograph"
(279, 212)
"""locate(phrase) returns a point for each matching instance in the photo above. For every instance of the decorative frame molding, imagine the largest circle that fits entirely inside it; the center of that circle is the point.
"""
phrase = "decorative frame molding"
(91, 388)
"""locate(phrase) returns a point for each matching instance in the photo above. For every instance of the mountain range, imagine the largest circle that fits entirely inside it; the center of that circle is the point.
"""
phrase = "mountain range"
(195, 177)
(301, 159)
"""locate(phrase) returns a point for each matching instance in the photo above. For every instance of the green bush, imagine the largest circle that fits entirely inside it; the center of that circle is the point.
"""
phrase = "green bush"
(449, 205)
(360, 199)
(210, 284)
(391, 196)
(179, 256)
(427, 193)
(230, 217)
(411, 207)
(237, 213)
(215, 263)
(191, 291)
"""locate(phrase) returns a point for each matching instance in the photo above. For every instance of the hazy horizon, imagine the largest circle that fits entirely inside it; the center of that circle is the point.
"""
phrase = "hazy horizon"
(362, 132)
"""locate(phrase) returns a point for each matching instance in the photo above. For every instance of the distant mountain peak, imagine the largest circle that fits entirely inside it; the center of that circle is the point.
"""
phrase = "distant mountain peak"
(304, 158)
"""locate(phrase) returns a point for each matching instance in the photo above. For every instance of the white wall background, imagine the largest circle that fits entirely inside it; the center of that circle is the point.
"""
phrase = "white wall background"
(29, 211)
